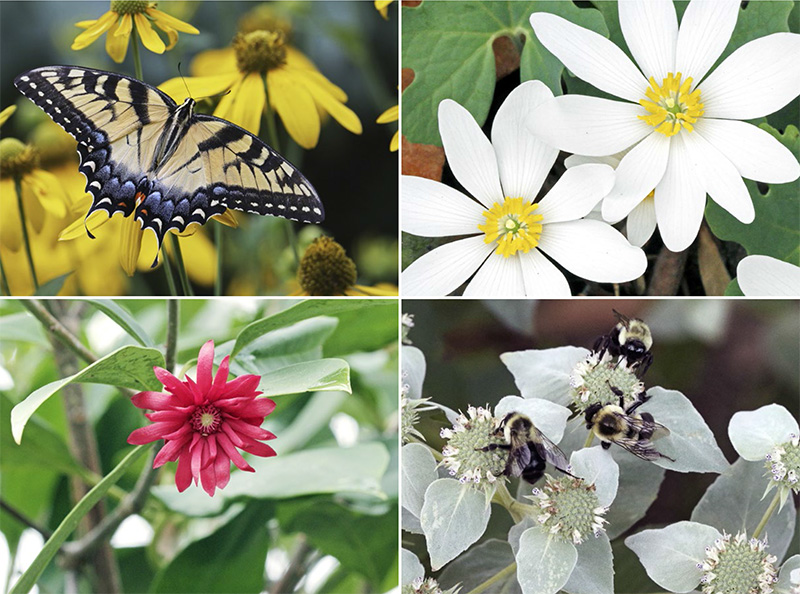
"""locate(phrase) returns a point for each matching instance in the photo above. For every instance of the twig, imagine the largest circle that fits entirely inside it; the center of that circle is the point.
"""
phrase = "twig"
(11, 511)
(296, 567)
(668, 272)
(57, 329)
(503, 573)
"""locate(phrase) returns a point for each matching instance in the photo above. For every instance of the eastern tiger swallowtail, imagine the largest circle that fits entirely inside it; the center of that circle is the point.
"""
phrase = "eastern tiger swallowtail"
(143, 154)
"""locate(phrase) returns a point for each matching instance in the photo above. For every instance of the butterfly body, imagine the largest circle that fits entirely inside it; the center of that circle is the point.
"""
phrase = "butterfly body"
(146, 156)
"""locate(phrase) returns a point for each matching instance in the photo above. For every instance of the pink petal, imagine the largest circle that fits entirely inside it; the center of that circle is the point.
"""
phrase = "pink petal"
(241, 386)
(178, 416)
(232, 435)
(183, 476)
(170, 452)
(149, 434)
(208, 479)
(174, 385)
(212, 446)
(259, 449)
(153, 400)
(220, 379)
(246, 429)
(222, 468)
(205, 362)
(182, 430)
(197, 455)
(235, 456)
(198, 397)
(262, 407)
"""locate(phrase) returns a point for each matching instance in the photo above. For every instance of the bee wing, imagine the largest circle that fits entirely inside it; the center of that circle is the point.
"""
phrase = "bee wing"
(644, 424)
(642, 448)
(659, 432)
(625, 320)
(549, 451)
(518, 460)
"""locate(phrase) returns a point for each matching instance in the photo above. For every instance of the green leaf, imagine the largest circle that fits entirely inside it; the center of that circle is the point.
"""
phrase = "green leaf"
(229, 560)
(364, 330)
(774, 232)
(52, 287)
(449, 47)
(313, 376)
(124, 319)
(68, 525)
(22, 327)
(128, 367)
(302, 311)
(316, 415)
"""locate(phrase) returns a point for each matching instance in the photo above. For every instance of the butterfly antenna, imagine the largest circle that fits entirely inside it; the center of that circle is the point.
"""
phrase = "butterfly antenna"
(188, 93)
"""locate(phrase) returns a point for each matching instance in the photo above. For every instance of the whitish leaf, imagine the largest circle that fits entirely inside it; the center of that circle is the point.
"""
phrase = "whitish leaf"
(670, 555)
(410, 522)
(453, 517)
(597, 466)
(413, 365)
(754, 433)
(550, 418)
(124, 320)
(784, 585)
(481, 563)
(734, 502)
(412, 568)
(312, 376)
(419, 471)
(594, 571)
(544, 373)
(690, 442)
(544, 563)
(128, 367)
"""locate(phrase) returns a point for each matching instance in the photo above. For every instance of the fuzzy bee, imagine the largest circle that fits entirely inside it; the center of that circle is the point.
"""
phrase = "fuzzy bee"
(631, 339)
(633, 431)
(529, 449)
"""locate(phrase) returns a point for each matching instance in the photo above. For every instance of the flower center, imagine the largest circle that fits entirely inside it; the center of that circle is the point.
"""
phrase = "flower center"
(513, 226)
(600, 381)
(206, 419)
(570, 509)
(783, 464)
(464, 454)
(737, 566)
(671, 105)
(259, 51)
(325, 268)
(17, 159)
(130, 6)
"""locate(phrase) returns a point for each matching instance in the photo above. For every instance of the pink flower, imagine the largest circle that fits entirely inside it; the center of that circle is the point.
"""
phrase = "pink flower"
(203, 422)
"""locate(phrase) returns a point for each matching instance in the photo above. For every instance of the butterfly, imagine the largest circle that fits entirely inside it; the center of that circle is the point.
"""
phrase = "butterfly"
(144, 155)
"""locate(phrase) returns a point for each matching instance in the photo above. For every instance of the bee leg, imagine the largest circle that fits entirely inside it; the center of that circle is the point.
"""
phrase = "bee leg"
(617, 392)
(644, 364)
(605, 444)
(493, 446)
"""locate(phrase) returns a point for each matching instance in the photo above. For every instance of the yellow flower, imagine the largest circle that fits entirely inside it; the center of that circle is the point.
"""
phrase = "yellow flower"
(296, 90)
(325, 269)
(6, 113)
(382, 6)
(119, 21)
(391, 115)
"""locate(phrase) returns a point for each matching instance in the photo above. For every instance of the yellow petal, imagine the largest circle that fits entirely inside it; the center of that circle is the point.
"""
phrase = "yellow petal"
(382, 6)
(246, 103)
(214, 62)
(227, 218)
(342, 114)
(171, 21)
(10, 225)
(199, 86)
(295, 106)
(117, 39)
(172, 34)
(100, 26)
(150, 38)
(395, 143)
(130, 244)
(295, 59)
(390, 115)
(85, 24)
(78, 228)
(47, 191)
(6, 113)
(379, 290)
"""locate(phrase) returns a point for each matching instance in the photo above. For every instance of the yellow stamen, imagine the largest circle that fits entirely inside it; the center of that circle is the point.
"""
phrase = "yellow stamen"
(513, 225)
(671, 106)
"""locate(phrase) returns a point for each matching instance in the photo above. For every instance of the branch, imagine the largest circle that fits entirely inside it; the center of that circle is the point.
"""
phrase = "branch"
(173, 318)
(296, 567)
(668, 272)
(24, 520)
(57, 329)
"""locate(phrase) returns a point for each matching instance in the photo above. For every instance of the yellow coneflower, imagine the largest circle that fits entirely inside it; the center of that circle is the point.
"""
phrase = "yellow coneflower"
(391, 115)
(119, 21)
(382, 6)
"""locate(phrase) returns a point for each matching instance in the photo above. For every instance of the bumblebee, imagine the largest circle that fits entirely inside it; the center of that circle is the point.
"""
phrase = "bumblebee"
(631, 339)
(529, 449)
(633, 431)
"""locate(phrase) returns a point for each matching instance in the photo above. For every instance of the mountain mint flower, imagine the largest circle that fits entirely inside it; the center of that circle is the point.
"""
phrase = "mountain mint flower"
(600, 380)
(570, 509)
(463, 454)
(763, 276)
(509, 234)
(409, 414)
(684, 129)
(738, 565)
(423, 585)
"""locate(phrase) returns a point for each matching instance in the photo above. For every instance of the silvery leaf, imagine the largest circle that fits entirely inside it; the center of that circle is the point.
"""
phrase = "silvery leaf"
(412, 568)
(597, 466)
(544, 563)
(594, 571)
(754, 433)
(789, 576)
(419, 471)
(478, 565)
(544, 373)
(413, 365)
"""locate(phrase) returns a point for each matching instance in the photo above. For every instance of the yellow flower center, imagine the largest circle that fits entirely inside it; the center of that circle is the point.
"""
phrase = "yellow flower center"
(259, 51)
(325, 268)
(130, 6)
(17, 159)
(513, 226)
(671, 105)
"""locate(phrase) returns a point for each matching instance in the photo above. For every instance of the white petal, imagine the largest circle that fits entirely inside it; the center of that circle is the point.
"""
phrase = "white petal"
(574, 160)
(680, 199)
(576, 193)
(523, 159)
(433, 209)
(706, 28)
(755, 153)
(638, 173)
(444, 269)
(469, 153)
(754, 433)
(721, 179)
(593, 250)
(641, 223)
(541, 277)
(589, 56)
(763, 276)
(497, 277)
(650, 29)
(589, 125)
(756, 80)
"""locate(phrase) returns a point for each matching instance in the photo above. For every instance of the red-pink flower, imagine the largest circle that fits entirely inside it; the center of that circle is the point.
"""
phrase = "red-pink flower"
(203, 422)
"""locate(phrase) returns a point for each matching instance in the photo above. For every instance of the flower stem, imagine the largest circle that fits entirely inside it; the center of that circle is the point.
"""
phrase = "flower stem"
(218, 244)
(173, 317)
(589, 439)
(505, 499)
(137, 62)
(5, 288)
(26, 240)
(502, 574)
(168, 271)
(773, 504)
(185, 284)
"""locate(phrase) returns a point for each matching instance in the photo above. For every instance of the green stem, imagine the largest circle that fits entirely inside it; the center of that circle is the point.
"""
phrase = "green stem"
(6, 289)
(168, 271)
(505, 499)
(291, 234)
(173, 317)
(185, 284)
(68, 525)
(589, 439)
(218, 244)
(269, 118)
(502, 574)
(137, 62)
(26, 240)
(773, 504)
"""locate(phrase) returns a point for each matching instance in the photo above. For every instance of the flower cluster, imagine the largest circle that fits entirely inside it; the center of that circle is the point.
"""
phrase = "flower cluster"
(600, 379)
(570, 509)
(738, 565)
(783, 464)
(409, 414)
(464, 453)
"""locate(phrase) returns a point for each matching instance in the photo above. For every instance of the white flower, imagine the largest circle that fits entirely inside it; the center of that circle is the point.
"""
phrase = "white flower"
(762, 276)
(510, 233)
(683, 126)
